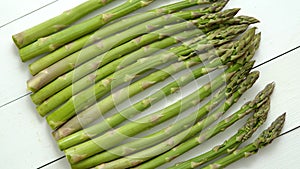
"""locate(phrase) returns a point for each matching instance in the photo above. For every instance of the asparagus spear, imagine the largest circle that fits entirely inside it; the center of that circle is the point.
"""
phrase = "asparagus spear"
(61, 83)
(57, 23)
(109, 139)
(52, 42)
(87, 97)
(265, 138)
(106, 156)
(103, 72)
(60, 91)
(261, 99)
(243, 134)
(67, 79)
(116, 27)
(173, 146)
(86, 118)
(68, 63)
(180, 125)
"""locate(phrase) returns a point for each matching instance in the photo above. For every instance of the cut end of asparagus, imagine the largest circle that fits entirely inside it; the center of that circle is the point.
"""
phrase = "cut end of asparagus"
(53, 124)
(32, 69)
(32, 83)
(56, 135)
(30, 87)
(74, 157)
(18, 39)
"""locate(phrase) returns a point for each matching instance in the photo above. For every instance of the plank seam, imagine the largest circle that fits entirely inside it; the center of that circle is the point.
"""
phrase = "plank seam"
(35, 10)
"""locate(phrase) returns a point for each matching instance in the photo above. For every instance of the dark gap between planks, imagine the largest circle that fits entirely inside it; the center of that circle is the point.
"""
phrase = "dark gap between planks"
(5, 104)
(27, 14)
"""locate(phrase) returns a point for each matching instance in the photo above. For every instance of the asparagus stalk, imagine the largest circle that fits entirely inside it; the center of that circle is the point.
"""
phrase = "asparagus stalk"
(80, 121)
(265, 138)
(125, 149)
(68, 63)
(152, 152)
(61, 88)
(87, 97)
(57, 23)
(67, 79)
(116, 27)
(66, 88)
(109, 139)
(261, 102)
(95, 159)
(243, 134)
(103, 72)
(54, 41)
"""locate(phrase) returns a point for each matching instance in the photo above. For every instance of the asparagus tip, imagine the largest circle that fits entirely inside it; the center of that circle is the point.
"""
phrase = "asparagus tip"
(256, 73)
(250, 19)
(274, 130)
(219, 5)
(232, 12)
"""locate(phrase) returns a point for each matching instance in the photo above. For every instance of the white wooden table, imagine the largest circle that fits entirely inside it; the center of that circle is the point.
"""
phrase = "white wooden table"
(26, 141)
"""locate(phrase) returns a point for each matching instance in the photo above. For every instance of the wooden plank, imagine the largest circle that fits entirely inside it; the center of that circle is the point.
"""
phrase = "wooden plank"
(12, 10)
(26, 139)
(278, 22)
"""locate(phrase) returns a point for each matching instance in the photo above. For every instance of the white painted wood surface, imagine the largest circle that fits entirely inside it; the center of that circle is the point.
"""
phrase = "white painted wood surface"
(11, 10)
(25, 137)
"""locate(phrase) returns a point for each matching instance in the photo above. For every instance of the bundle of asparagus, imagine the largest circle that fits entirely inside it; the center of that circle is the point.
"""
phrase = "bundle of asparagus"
(90, 69)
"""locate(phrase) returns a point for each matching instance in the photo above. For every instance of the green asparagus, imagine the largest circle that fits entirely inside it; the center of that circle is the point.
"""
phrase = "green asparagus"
(263, 140)
(109, 139)
(233, 91)
(57, 23)
(54, 41)
(68, 78)
(67, 91)
(243, 134)
(103, 72)
(72, 88)
(225, 55)
(116, 27)
(241, 61)
(72, 61)
(87, 97)
(260, 101)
